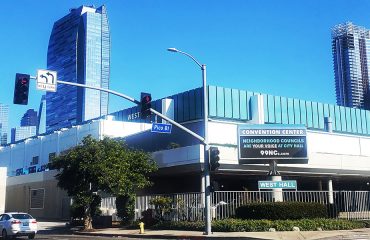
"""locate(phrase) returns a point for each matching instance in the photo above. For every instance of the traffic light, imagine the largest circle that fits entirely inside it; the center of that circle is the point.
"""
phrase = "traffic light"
(214, 158)
(146, 99)
(22, 84)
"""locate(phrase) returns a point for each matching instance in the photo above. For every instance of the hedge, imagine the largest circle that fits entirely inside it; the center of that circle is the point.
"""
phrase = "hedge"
(281, 211)
(239, 225)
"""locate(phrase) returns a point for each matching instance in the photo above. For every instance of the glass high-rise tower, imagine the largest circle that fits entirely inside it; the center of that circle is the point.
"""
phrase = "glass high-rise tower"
(4, 121)
(29, 118)
(351, 57)
(79, 50)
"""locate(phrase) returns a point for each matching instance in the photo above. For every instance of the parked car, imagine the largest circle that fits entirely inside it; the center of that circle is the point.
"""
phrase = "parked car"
(15, 224)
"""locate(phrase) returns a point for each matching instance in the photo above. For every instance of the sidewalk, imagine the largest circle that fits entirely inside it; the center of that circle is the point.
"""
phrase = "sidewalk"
(172, 234)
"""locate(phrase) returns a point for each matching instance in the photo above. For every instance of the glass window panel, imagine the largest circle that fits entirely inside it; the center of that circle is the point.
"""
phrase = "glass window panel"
(338, 118)
(186, 106)
(291, 111)
(353, 120)
(277, 109)
(332, 116)
(220, 102)
(348, 119)
(192, 107)
(235, 100)
(265, 108)
(249, 95)
(212, 103)
(284, 110)
(297, 112)
(175, 112)
(303, 112)
(228, 103)
(243, 105)
(363, 122)
(368, 121)
(180, 106)
(320, 109)
(326, 110)
(343, 118)
(309, 114)
(199, 103)
(271, 108)
(358, 120)
(315, 115)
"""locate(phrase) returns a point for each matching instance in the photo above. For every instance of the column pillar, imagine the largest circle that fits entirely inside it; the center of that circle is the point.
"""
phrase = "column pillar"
(330, 191)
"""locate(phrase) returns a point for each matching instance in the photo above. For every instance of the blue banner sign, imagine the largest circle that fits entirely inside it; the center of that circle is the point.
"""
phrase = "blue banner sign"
(291, 184)
(266, 142)
(161, 128)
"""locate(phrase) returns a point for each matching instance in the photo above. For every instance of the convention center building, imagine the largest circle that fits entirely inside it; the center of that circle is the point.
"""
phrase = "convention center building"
(320, 146)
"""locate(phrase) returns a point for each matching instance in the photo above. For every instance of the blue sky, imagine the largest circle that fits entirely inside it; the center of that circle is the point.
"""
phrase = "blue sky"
(280, 47)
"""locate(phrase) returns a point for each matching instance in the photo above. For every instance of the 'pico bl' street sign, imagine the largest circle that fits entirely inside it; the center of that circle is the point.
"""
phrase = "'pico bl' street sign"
(161, 128)
(266, 142)
(291, 184)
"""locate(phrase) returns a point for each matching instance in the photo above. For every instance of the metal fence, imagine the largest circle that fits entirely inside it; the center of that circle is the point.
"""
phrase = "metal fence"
(190, 206)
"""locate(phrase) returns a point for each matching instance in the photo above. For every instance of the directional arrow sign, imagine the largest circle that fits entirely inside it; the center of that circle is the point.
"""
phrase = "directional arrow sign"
(47, 80)
(161, 128)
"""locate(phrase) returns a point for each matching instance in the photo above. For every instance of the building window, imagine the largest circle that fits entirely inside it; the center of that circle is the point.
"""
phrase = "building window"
(52, 156)
(35, 160)
(37, 197)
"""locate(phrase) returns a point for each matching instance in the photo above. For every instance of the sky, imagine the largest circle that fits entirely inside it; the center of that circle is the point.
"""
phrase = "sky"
(279, 47)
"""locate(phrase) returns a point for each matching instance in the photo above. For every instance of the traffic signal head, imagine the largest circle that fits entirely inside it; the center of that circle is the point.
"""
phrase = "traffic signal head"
(21, 88)
(214, 158)
(146, 99)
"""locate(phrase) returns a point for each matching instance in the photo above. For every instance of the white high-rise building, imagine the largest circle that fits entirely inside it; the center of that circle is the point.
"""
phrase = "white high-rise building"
(4, 121)
(351, 57)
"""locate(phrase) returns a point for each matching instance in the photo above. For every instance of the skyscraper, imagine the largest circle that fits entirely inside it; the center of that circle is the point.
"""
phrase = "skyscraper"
(20, 133)
(29, 118)
(41, 122)
(351, 57)
(79, 50)
(4, 120)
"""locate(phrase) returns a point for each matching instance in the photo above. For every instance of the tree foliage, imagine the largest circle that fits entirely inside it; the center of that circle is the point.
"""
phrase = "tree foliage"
(107, 165)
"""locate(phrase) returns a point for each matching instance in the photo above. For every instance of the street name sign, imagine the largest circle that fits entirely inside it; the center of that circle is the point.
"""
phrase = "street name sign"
(161, 128)
(290, 184)
(46, 80)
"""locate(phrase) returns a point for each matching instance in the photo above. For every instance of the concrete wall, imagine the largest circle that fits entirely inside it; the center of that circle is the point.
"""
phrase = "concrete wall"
(325, 150)
(2, 189)
(55, 203)
(19, 155)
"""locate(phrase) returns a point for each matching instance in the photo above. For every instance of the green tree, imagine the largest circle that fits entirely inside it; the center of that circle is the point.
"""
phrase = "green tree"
(127, 171)
(107, 165)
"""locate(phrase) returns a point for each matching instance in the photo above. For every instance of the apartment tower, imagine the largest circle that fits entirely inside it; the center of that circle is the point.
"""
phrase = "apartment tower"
(351, 57)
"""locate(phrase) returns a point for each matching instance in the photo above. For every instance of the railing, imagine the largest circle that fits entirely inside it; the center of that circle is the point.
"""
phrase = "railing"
(190, 206)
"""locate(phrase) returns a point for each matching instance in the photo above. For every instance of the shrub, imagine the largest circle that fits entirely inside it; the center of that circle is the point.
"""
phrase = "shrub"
(239, 225)
(162, 207)
(281, 210)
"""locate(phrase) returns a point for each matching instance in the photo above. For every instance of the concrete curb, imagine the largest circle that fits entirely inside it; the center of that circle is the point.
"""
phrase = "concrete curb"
(160, 236)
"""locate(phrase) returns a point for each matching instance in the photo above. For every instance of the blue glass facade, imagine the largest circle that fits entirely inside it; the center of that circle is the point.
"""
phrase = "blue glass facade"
(234, 105)
(79, 50)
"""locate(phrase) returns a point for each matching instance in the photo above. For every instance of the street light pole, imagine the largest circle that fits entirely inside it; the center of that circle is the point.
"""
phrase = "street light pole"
(207, 183)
